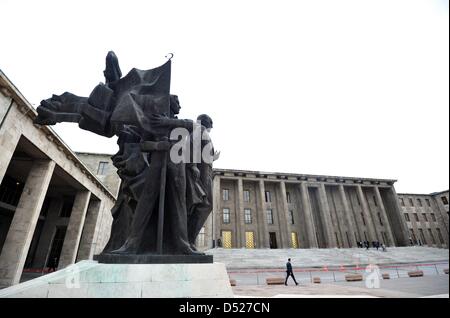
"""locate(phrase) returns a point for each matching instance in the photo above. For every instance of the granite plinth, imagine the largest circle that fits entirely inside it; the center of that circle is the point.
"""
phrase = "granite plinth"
(112, 258)
(90, 279)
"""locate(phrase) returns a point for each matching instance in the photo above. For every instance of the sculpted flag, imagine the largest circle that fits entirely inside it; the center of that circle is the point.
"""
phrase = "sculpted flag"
(129, 100)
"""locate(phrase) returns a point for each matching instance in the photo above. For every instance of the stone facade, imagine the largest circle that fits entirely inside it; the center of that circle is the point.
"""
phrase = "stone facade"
(53, 210)
(426, 216)
(102, 167)
(279, 210)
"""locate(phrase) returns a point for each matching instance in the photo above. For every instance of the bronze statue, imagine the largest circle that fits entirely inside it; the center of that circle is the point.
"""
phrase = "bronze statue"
(162, 203)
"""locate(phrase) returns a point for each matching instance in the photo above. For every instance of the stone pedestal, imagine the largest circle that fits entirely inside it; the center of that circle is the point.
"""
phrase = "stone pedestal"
(89, 279)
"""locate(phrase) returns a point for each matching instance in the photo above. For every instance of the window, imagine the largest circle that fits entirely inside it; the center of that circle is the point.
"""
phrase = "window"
(441, 239)
(101, 170)
(428, 202)
(425, 217)
(246, 196)
(288, 197)
(66, 209)
(422, 236)
(363, 219)
(291, 216)
(433, 217)
(419, 201)
(268, 197)
(411, 202)
(444, 200)
(407, 217)
(226, 215)
(402, 202)
(225, 194)
(379, 218)
(247, 216)
(269, 216)
(432, 236)
(416, 217)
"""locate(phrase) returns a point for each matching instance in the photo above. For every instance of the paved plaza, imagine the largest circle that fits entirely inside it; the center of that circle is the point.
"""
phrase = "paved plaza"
(331, 257)
(434, 286)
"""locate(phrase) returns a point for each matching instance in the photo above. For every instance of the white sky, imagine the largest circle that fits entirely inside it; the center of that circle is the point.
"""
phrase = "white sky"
(348, 88)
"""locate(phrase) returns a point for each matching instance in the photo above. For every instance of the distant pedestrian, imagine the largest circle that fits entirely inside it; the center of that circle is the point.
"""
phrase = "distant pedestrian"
(378, 245)
(383, 247)
(53, 265)
(289, 272)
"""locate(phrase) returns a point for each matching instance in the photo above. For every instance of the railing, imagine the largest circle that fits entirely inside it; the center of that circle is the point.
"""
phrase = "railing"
(335, 274)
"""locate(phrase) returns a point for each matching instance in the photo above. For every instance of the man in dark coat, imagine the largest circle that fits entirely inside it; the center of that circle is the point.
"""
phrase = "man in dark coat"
(289, 272)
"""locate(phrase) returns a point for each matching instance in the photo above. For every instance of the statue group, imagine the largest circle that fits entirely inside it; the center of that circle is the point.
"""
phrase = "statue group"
(163, 202)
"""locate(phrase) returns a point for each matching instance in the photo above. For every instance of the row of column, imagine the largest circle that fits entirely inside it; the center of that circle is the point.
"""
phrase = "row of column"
(345, 221)
(21, 230)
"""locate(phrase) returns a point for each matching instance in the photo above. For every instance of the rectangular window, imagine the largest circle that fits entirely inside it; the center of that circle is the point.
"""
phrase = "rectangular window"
(268, 197)
(428, 202)
(433, 217)
(227, 239)
(226, 215)
(419, 201)
(246, 196)
(294, 240)
(413, 237)
(363, 219)
(288, 197)
(422, 236)
(66, 209)
(416, 217)
(101, 170)
(291, 216)
(249, 240)
(441, 239)
(425, 217)
(248, 216)
(269, 216)
(379, 218)
(407, 217)
(411, 202)
(444, 200)
(402, 202)
(225, 194)
(432, 236)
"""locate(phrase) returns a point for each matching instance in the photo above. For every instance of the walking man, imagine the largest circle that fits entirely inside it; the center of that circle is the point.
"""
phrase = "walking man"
(289, 272)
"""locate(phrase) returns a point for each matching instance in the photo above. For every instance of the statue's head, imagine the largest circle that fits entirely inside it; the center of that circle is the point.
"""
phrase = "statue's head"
(112, 70)
(205, 121)
(174, 104)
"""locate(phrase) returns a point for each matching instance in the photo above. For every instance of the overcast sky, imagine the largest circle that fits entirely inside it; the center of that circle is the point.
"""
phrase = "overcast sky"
(348, 88)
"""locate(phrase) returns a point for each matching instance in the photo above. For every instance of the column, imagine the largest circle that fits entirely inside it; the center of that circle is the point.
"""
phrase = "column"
(351, 226)
(310, 227)
(365, 208)
(399, 224)
(263, 227)
(21, 230)
(326, 217)
(283, 210)
(87, 243)
(8, 143)
(384, 217)
(216, 221)
(240, 225)
(74, 229)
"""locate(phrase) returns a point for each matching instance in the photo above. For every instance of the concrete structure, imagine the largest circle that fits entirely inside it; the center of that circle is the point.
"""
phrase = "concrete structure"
(101, 166)
(281, 210)
(426, 216)
(89, 279)
(53, 210)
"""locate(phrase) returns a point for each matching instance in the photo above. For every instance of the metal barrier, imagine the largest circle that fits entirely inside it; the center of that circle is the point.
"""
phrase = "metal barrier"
(335, 274)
